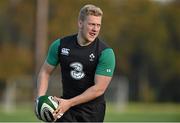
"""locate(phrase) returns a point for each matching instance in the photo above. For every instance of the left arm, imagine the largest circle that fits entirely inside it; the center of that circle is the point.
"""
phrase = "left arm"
(101, 84)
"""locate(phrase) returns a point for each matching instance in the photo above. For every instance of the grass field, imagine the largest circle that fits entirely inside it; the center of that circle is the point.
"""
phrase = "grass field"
(132, 112)
(136, 112)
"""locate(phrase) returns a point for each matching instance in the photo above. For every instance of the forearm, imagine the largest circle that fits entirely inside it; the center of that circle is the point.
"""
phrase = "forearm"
(43, 79)
(90, 94)
(42, 84)
(101, 83)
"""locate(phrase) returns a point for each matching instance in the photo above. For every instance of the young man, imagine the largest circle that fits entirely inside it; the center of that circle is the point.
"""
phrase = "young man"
(87, 65)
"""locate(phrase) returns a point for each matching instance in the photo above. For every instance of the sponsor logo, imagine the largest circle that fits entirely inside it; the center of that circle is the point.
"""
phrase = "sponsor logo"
(77, 72)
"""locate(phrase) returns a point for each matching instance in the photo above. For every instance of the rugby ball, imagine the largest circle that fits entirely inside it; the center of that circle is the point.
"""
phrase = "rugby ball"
(45, 105)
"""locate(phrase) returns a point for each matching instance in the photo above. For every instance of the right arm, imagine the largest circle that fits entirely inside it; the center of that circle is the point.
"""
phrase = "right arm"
(47, 68)
(43, 78)
(42, 83)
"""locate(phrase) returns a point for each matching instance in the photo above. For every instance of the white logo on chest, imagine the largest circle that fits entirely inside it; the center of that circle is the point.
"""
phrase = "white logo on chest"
(77, 72)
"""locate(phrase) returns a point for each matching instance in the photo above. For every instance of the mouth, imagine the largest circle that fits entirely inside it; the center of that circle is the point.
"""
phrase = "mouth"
(92, 34)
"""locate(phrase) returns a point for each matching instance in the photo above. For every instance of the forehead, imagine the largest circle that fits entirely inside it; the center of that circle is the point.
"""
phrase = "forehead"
(93, 19)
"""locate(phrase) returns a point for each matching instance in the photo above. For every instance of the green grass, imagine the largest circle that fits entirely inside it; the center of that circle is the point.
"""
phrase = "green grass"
(141, 112)
(132, 112)
(20, 113)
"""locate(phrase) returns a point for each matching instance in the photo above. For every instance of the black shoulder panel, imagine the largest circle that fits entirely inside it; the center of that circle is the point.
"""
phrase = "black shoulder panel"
(101, 46)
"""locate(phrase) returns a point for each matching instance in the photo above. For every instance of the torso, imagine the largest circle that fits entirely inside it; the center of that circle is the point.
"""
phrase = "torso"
(78, 65)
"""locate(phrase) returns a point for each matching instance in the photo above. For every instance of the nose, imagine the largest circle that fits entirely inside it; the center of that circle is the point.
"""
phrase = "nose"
(95, 28)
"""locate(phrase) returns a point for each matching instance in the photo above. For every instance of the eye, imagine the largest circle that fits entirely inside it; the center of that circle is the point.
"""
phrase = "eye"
(98, 25)
(91, 24)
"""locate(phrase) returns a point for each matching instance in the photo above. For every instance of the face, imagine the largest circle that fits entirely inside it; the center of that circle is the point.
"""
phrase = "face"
(90, 28)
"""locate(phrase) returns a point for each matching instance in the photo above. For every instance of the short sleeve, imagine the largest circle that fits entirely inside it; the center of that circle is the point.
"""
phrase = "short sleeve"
(52, 57)
(106, 64)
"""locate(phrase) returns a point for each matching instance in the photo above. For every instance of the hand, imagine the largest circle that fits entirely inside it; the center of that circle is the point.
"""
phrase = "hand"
(64, 105)
(36, 109)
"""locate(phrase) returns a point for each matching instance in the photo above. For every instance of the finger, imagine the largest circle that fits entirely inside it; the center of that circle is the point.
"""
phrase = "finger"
(60, 115)
(58, 109)
(57, 116)
(56, 98)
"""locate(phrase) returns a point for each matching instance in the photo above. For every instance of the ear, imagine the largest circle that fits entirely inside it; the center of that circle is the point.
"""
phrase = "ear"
(80, 24)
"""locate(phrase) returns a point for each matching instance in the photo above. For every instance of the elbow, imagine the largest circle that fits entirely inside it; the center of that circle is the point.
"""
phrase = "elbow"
(99, 92)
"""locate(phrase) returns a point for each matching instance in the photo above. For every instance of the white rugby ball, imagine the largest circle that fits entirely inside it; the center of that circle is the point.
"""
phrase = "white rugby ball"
(45, 105)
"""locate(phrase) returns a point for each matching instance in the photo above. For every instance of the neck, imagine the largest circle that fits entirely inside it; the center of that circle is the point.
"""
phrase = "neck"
(81, 41)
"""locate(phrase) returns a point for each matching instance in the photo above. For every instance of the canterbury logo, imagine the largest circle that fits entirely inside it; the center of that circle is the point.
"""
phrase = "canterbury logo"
(65, 51)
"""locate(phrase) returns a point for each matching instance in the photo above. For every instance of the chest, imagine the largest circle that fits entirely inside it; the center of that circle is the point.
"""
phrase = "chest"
(74, 57)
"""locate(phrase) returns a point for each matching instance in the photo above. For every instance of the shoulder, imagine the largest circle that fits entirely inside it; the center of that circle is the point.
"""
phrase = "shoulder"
(105, 51)
(56, 42)
(108, 53)
(67, 41)
(106, 62)
(103, 47)
(102, 44)
(69, 37)
(52, 57)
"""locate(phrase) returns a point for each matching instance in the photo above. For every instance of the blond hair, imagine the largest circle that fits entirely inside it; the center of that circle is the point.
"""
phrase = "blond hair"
(89, 9)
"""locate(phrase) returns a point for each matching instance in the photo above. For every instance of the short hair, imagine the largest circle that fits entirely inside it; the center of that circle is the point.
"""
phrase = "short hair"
(89, 9)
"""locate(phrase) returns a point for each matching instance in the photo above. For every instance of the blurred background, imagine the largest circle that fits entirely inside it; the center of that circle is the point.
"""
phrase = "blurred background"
(145, 35)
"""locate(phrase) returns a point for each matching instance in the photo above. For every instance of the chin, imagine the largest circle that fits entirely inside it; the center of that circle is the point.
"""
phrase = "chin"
(90, 39)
